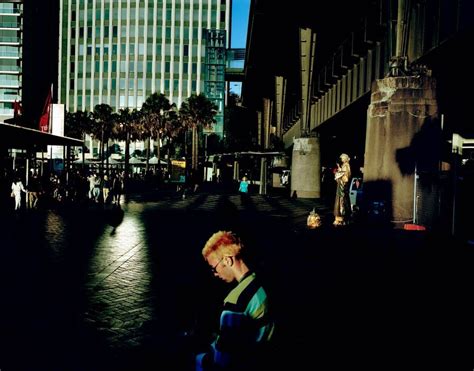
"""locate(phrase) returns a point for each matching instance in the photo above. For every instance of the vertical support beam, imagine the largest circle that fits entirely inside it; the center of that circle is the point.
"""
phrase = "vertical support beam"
(259, 129)
(307, 49)
(280, 92)
(267, 115)
(401, 24)
(236, 170)
(263, 176)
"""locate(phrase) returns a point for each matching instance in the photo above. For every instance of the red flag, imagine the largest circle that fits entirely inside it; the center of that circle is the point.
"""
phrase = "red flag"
(44, 119)
(17, 109)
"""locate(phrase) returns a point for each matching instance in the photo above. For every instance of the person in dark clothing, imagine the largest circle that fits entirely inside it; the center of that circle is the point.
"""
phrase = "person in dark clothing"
(246, 326)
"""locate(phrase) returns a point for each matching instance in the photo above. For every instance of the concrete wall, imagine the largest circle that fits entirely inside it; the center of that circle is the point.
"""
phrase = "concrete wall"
(402, 134)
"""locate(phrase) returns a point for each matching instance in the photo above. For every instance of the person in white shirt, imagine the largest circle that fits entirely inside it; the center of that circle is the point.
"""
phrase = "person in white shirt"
(17, 188)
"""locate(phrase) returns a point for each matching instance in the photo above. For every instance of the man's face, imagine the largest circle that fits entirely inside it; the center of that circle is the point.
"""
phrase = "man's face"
(220, 267)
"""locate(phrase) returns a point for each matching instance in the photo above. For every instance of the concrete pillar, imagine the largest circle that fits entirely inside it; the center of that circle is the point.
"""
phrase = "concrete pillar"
(263, 176)
(236, 170)
(306, 168)
(403, 134)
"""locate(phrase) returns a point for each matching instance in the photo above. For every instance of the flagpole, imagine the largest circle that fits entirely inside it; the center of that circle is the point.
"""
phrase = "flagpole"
(51, 111)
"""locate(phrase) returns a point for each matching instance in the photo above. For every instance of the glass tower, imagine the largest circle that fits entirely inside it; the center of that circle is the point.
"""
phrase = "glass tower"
(11, 36)
(119, 52)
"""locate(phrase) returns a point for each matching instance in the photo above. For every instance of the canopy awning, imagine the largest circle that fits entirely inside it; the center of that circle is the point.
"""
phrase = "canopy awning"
(12, 136)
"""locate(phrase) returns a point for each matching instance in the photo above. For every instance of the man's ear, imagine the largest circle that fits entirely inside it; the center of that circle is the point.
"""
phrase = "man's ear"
(229, 260)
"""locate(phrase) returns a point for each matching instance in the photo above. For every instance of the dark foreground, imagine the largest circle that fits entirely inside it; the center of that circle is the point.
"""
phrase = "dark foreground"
(88, 288)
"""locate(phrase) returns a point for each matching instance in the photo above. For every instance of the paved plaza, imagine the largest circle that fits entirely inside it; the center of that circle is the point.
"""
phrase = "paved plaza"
(102, 288)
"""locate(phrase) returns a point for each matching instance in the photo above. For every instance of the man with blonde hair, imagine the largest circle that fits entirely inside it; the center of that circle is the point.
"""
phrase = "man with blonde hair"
(246, 327)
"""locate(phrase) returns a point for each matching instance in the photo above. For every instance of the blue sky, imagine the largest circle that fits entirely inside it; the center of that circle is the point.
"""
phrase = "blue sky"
(240, 15)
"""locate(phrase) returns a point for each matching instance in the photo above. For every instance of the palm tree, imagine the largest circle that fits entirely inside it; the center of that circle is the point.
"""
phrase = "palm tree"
(104, 121)
(156, 114)
(197, 112)
(77, 125)
(128, 125)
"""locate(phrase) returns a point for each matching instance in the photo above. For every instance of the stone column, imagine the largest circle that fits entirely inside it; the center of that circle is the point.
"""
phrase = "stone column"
(306, 168)
(403, 134)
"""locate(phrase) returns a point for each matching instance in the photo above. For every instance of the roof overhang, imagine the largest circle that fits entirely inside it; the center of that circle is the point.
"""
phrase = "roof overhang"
(18, 137)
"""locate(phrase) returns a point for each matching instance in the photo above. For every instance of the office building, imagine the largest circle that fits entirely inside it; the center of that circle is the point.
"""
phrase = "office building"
(120, 52)
(11, 40)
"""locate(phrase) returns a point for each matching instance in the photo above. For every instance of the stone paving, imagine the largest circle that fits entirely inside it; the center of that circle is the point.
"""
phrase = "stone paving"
(92, 288)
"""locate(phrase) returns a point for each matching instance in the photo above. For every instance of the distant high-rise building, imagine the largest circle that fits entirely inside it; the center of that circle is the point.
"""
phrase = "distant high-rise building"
(11, 41)
(120, 52)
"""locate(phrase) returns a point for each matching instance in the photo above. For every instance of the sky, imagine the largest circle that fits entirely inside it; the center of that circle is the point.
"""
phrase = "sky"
(240, 17)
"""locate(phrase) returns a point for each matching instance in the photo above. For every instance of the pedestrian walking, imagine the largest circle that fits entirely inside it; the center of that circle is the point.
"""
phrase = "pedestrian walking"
(17, 188)
(243, 190)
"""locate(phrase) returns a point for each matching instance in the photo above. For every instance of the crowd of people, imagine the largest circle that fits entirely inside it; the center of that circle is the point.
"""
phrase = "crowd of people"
(53, 188)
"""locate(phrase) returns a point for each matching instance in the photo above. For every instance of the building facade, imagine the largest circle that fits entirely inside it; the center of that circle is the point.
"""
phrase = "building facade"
(11, 43)
(120, 52)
